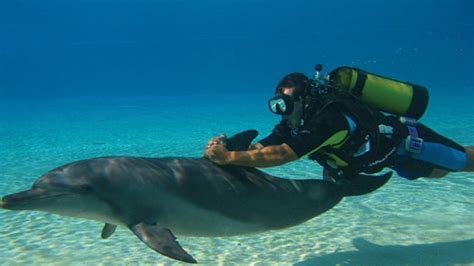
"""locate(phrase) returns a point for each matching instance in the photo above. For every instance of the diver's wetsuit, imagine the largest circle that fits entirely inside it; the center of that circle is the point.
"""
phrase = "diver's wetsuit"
(437, 152)
(332, 128)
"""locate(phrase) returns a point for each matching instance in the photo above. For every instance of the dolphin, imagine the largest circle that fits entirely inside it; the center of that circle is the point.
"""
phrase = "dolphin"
(157, 198)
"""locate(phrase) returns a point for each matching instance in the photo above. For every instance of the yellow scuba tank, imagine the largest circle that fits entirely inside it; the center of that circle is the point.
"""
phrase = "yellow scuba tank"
(384, 94)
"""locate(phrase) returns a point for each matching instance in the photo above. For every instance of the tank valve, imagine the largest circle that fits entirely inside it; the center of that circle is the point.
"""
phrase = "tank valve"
(317, 72)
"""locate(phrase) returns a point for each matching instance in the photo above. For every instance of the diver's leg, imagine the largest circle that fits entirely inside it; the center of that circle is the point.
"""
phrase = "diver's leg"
(470, 159)
(443, 154)
(438, 173)
(438, 158)
(412, 169)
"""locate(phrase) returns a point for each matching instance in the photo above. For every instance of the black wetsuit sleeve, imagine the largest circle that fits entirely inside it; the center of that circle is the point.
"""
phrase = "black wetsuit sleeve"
(272, 139)
(312, 135)
(315, 134)
(278, 136)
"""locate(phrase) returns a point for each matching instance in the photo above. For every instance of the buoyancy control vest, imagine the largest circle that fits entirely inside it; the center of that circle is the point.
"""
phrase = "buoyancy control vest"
(361, 150)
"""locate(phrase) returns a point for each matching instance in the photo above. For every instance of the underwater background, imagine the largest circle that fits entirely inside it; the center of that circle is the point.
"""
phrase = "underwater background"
(83, 78)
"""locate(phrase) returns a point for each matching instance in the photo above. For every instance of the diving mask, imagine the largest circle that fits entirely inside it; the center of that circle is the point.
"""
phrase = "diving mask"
(281, 104)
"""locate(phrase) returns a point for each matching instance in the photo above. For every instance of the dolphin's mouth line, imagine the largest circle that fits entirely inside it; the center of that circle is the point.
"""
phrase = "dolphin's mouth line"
(22, 201)
(52, 196)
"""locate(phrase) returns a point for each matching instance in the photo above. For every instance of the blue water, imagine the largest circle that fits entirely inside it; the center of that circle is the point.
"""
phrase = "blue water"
(82, 79)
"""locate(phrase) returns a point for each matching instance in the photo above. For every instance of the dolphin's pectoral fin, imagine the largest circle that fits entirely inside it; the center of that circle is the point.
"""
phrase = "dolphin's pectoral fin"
(161, 240)
(108, 230)
(363, 184)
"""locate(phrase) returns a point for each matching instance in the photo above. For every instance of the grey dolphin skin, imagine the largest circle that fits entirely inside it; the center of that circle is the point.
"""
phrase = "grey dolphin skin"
(159, 197)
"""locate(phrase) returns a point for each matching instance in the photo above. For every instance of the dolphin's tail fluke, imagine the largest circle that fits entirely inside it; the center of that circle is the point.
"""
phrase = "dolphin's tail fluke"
(362, 184)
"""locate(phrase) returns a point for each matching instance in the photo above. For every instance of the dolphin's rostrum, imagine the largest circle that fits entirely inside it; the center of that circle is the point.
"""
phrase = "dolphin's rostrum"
(159, 197)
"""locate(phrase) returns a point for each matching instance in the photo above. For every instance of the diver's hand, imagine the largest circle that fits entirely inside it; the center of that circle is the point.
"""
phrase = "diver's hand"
(218, 154)
(216, 140)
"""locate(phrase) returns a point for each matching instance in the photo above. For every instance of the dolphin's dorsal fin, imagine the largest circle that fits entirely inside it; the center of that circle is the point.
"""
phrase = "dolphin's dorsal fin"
(108, 230)
(161, 240)
(241, 141)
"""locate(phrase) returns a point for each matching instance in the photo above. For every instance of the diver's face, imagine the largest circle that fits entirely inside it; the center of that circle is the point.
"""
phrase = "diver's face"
(294, 118)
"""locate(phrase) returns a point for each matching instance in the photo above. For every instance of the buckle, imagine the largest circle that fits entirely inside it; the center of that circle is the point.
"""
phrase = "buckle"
(413, 144)
(411, 122)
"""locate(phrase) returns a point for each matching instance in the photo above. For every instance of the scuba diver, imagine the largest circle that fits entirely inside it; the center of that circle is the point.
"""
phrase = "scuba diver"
(351, 122)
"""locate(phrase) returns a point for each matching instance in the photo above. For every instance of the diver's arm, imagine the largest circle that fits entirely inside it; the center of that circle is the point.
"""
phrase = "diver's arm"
(263, 157)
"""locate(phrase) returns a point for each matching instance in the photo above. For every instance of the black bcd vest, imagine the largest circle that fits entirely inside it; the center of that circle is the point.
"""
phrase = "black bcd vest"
(367, 121)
